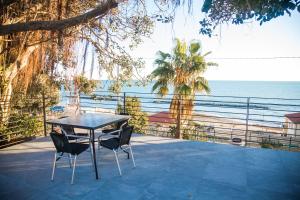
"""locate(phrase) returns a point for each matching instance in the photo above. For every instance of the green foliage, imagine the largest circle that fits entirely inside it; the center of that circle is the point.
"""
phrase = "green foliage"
(32, 101)
(25, 109)
(269, 144)
(84, 85)
(191, 131)
(183, 69)
(21, 126)
(139, 119)
(195, 131)
(172, 130)
(239, 12)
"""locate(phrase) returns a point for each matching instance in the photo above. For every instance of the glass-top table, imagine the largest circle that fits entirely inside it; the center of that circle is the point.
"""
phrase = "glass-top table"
(91, 122)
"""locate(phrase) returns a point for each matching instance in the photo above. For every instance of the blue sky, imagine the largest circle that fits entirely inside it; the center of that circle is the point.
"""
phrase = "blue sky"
(277, 38)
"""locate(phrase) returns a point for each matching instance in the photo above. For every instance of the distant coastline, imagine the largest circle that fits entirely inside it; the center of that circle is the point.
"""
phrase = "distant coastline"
(228, 99)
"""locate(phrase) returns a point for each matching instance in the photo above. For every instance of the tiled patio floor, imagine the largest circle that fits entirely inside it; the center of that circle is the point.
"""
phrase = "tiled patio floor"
(166, 169)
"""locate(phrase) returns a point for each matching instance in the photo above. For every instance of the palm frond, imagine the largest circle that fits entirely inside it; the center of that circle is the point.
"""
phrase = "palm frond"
(184, 89)
(180, 49)
(207, 53)
(162, 55)
(158, 84)
(161, 62)
(163, 91)
(212, 64)
(194, 47)
(164, 72)
(201, 84)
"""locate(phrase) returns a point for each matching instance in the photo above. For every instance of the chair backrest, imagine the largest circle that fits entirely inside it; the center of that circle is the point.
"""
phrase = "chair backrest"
(69, 130)
(125, 135)
(122, 124)
(61, 142)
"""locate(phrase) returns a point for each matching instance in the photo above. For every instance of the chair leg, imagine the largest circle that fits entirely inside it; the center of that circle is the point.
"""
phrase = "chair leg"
(53, 168)
(116, 155)
(125, 152)
(131, 155)
(74, 165)
(70, 160)
(99, 141)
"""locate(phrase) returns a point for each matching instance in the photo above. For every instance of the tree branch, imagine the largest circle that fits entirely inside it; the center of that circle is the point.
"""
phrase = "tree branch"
(100, 10)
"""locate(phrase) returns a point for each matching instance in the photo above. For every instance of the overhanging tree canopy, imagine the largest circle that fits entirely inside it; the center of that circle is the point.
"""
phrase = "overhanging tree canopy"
(241, 11)
(37, 36)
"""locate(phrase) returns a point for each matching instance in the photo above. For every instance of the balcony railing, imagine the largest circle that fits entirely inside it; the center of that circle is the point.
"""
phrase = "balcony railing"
(245, 121)
(23, 118)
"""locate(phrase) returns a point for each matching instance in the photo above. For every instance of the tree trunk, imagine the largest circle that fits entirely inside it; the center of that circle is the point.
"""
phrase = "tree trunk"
(5, 104)
(178, 122)
(9, 75)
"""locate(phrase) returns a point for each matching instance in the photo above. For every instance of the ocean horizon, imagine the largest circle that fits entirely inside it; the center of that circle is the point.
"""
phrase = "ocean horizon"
(259, 89)
(269, 100)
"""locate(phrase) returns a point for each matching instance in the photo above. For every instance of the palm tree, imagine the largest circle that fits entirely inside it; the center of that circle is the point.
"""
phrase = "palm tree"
(183, 69)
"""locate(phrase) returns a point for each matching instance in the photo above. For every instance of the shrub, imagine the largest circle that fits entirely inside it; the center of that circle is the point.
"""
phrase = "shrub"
(139, 119)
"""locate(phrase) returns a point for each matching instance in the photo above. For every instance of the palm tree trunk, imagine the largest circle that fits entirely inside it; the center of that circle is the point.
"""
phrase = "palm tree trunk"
(178, 122)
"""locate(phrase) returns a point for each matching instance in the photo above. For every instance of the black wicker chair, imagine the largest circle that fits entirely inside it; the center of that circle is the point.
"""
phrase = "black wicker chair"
(120, 143)
(70, 133)
(118, 126)
(62, 146)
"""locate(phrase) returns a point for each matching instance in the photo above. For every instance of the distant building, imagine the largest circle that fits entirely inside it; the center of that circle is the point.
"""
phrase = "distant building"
(159, 123)
(162, 118)
(292, 125)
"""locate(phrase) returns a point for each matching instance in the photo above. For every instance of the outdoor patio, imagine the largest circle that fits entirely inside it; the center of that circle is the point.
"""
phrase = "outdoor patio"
(166, 169)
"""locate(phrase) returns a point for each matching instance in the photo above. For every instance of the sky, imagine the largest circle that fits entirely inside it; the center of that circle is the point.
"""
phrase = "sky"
(277, 38)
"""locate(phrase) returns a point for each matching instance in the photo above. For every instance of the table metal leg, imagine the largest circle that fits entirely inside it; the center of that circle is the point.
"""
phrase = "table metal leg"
(94, 153)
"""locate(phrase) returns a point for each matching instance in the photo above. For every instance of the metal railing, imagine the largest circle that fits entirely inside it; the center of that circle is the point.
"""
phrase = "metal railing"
(245, 121)
(23, 119)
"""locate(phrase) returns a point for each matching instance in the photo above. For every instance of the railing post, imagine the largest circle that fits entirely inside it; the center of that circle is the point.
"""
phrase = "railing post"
(247, 121)
(124, 102)
(44, 114)
(214, 136)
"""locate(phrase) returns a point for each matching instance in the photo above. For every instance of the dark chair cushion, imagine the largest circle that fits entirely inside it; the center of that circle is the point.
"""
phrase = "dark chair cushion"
(112, 143)
(116, 142)
(62, 144)
(78, 148)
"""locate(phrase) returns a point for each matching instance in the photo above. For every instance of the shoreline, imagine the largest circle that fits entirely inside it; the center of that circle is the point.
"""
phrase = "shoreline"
(221, 122)
(218, 129)
(234, 124)
(224, 125)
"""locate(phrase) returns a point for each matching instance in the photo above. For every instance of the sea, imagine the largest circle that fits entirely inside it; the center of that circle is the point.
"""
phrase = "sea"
(259, 102)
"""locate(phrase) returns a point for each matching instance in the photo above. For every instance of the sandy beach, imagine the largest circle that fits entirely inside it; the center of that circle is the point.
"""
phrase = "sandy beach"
(222, 128)
(230, 128)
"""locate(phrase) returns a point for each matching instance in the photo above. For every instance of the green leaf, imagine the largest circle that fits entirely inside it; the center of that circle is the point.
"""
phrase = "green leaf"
(194, 47)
